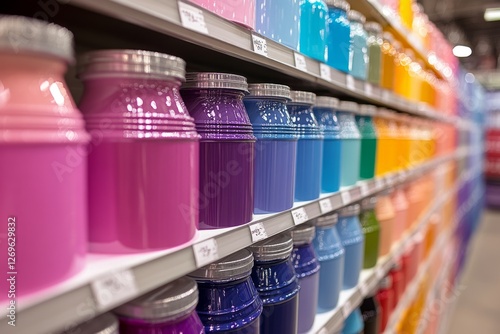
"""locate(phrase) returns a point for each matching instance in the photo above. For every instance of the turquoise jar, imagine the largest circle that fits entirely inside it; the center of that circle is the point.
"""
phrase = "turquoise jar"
(338, 38)
(313, 29)
(358, 51)
(350, 143)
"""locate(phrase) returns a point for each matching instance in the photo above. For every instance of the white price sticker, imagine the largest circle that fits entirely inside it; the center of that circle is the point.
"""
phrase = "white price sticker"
(205, 252)
(364, 189)
(325, 205)
(325, 72)
(192, 18)
(346, 197)
(114, 289)
(347, 309)
(299, 216)
(368, 89)
(259, 45)
(300, 61)
(258, 232)
(349, 82)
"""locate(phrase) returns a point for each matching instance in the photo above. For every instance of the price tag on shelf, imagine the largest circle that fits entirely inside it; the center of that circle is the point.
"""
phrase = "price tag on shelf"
(368, 89)
(258, 232)
(192, 18)
(205, 252)
(347, 309)
(114, 289)
(299, 216)
(364, 288)
(379, 184)
(325, 205)
(259, 45)
(300, 61)
(349, 82)
(346, 197)
(386, 96)
(364, 189)
(325, 72)
(380, 272)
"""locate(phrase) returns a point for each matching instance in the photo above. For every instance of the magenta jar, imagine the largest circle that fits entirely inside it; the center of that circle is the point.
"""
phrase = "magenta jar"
(166, 310)
(143, 159)
(226, 147)
(43, 174)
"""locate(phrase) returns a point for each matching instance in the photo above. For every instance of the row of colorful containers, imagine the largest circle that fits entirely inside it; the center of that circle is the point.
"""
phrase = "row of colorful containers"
(149, 162)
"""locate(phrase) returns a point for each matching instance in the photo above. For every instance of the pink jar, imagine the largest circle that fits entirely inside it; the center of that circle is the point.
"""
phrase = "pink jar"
(43, 174)
(400, 204)
(143, 161)
(238, 11)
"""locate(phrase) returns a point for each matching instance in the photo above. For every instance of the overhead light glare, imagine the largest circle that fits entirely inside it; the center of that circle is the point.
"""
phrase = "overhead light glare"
(492, 14)
(462, 51)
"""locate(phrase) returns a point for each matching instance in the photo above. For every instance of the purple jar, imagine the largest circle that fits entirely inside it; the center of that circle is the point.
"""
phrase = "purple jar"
(215, 100)
(143, 159)
(166, 310)
(106, 323)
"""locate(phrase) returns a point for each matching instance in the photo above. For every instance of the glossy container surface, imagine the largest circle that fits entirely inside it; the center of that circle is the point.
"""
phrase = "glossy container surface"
(368, 152)
(386, 216)
(354, 323)
(358, 51)
(371, 231)
(371, 315)
(268, 12)
(351, 234)
(386, 143)
(313, 29)
(239, 11)
(374, 44)
(338, 35)
(350, 145)
(44, 174)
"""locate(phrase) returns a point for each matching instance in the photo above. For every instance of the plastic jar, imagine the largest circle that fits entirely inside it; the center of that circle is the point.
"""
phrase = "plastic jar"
(138, 199)
(350, 143)
(386, 143)
(278, 286)
(368, 152)
(326, 115)
(166, 310)
(279, 22)
(44, 171)
(388, 62)
(313, 29)
(238, 11)
(307, 267)
(351, 234)
(358, 51)
(371, 231)
(227, 147)
(229, 302)
(374, 43)
(330, 252)
(106, 323)
(338, 35)
(275, 149)
(404, 142)
(386, 217)
(400, 204)
(309, 147)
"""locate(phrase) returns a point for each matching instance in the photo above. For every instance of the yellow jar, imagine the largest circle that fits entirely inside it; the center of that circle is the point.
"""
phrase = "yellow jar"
(388, 62)
(387, 142)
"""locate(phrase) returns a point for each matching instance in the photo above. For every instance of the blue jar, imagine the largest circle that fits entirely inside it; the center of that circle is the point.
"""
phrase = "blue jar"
(309, 146)
(354, 323)
(275, 149)
(228, 301)
(339, 35)
(325, 114)
(278, 286)
(358, 52)
(313, 25)
(279, 21)
(351, 235)
(350, 143)
(330, 252)
(307, 267)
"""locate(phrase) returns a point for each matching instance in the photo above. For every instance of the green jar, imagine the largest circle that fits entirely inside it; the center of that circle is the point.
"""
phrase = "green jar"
(364, 121)
(374, 44)
(371, 230)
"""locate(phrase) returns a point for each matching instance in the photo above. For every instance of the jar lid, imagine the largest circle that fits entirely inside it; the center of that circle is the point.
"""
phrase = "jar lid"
(275, 248)
(327, 220)
(367, 109)
(19, 33)
(298, 96)
(131, 61)
(176, 298)
(215, 80)
(106, 323)
(327, 102)
(303, 234)
(356, 16)
(349, 106)
(270, 90)
(388, 36)
(350, 210)
(373, 27)
(344, 5)
(232, 267)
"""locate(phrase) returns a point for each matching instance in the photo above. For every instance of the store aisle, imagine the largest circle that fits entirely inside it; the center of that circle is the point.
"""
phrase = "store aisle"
(478, 305)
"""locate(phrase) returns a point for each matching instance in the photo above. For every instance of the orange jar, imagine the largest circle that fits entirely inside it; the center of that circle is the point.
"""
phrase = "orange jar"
(386, 143)
(386, 216)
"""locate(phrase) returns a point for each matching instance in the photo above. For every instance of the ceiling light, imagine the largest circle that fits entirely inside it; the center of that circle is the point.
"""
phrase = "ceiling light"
(462, 51)
(492, 14)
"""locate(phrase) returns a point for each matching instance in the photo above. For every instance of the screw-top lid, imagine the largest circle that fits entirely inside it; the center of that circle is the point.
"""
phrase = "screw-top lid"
(106, 323)
(373, 27)
(327, 220)
(215, 80)
(172, 300)
(354, 15)
(344, 5)
(327, 102)
(269, 90)
(388, 37)
(367, 109)
(22, 34)
(303, 234)
(349, 106)
(298, 96)
(131, 61)
(350, 210)
(232, 267)
(368, 203)
(274, 248)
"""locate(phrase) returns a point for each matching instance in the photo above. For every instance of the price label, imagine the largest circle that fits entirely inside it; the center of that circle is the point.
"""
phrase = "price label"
(114, 289)
(192, 18)
(380, 272)
(258, 232)
(325, 72)
(259, 45)
(349, 82)
(299, 216)
(364, 189)
(325, 205)
(386, 96)
(347, 309)
(205, 252)
(300, 61)
(368, 89)
(365, 288)
(346, 197)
